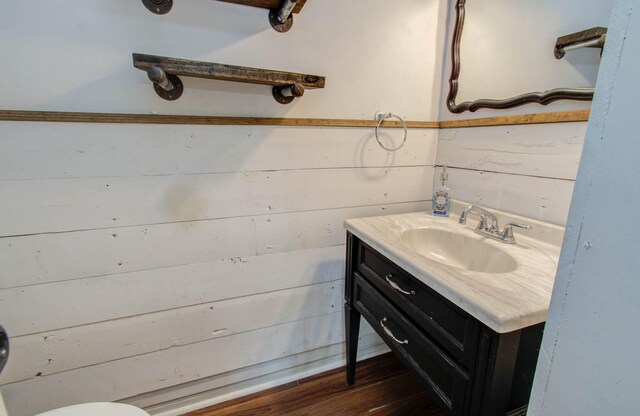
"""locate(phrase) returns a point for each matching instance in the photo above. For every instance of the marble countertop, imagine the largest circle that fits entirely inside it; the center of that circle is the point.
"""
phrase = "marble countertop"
(504, 302)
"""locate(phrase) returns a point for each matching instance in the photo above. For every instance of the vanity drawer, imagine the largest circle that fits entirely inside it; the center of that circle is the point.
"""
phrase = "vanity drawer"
(441, 374)
(454, 329)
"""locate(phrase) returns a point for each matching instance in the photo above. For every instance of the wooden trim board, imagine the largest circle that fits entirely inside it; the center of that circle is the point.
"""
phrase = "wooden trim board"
(82, 117)
(266, 4)
(538, 118)
(76, 117)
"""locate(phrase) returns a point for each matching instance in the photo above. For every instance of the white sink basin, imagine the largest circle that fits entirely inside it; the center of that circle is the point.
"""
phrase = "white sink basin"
(458, 250)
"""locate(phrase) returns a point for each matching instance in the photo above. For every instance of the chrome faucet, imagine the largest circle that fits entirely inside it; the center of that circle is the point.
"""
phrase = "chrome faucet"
(484, 214)
(491, 229)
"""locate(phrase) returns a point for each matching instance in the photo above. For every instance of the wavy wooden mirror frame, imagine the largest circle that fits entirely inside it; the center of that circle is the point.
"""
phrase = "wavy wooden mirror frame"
(544, 97)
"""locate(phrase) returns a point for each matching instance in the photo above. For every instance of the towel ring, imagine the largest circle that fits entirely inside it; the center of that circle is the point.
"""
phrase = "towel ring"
(384, 116)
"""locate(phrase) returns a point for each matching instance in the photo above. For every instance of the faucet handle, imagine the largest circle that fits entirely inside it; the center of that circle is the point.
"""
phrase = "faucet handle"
(507, 233)
(518, 224)
(482, 222)
(494, 227)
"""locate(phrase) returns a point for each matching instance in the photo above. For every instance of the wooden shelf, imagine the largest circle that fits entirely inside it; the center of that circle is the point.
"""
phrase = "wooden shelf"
(590, 38)
(266, 4)
(280, 11)
(163, 72)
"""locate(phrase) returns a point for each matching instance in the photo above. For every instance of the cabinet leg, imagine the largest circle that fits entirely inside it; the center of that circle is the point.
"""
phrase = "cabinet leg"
(352, 327)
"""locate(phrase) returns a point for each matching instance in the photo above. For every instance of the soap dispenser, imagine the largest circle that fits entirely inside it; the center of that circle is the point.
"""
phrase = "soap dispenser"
(441, 203)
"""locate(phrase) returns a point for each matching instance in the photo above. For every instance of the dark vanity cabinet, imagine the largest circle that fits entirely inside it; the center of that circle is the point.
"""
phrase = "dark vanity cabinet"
(468, 368)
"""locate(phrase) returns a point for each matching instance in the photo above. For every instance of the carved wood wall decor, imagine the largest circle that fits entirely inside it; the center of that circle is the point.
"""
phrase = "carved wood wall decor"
(542, 97)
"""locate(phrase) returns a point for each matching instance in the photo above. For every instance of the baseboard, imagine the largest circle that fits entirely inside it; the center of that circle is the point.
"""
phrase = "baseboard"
(309, 365)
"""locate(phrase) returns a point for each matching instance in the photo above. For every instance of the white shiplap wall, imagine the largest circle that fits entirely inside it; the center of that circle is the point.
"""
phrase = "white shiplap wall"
(507, 50)
(121, 277)
(528, 170)
(150, 263)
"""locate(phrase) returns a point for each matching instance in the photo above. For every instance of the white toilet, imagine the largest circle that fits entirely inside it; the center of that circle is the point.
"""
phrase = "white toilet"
(97, 409)
(89, 409)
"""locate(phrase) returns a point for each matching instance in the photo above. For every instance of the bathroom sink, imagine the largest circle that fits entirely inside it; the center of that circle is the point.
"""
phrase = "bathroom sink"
(505, 286)
(455, 249)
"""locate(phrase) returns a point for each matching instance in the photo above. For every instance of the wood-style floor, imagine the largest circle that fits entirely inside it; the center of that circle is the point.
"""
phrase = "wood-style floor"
(383, 388)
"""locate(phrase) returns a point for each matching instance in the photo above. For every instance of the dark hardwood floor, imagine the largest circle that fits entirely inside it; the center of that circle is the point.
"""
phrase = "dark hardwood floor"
(383, 388)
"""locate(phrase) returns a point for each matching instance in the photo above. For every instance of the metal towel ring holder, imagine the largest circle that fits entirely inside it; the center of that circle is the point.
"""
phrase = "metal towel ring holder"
(384, 116)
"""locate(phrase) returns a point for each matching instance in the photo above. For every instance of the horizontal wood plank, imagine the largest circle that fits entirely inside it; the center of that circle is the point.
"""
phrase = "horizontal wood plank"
(552, 151)
(543, 199)
(65, 349)
(40, 206)
(84, 301)
(80, 150)
(420, 404)
(366, 400)
(144, 373)
(47, 258)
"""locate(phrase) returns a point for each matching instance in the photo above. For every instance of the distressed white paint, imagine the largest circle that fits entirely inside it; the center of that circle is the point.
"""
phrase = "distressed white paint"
(55, 351)
(244, 219)
(38, 206)
(544, 199)
(90, 151)
(173, 366)
(118, 296)
(589, 361)
(46, 258)
(547, 150)
(526, 170)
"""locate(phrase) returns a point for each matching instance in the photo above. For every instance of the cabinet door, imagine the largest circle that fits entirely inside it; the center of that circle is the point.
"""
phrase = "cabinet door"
(455, 330)
(441, 375)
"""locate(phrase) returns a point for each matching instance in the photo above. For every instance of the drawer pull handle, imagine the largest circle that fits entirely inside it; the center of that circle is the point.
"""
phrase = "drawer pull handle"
(396, 287)
(390, 334)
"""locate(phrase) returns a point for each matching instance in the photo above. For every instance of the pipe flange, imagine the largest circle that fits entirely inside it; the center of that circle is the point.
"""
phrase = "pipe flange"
(276, 24)
(158, 6)
(174, 93)
(282, 99)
